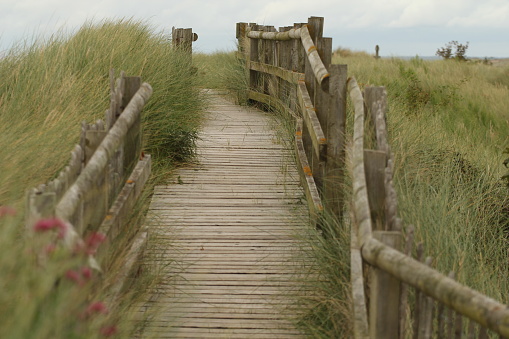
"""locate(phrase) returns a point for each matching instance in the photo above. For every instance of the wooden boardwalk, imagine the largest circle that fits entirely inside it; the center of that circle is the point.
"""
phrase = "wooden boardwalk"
(227, 233)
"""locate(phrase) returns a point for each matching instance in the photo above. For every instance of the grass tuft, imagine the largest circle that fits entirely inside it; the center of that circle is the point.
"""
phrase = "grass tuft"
(48, 88)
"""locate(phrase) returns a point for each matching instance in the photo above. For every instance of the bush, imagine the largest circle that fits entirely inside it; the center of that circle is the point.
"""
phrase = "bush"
(446, 52)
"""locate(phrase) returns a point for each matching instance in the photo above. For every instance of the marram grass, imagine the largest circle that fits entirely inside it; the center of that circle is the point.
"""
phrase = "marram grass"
(447, 124)
(48, 88)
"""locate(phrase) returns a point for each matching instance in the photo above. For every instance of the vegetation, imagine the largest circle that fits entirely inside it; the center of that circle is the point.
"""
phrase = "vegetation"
(49, 87)
(446, 52)
(447, 123)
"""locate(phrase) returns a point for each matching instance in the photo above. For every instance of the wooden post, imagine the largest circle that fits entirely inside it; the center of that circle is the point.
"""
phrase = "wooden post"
(315, 26)
(377, 50)
(132, 141)
(374, 166)
(182, 38)
(241, 37)
(335, 134)
(385, 292)
(253, 57)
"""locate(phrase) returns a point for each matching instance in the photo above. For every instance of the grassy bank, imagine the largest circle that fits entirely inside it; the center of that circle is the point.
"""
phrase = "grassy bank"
(47, 89)
(447, 123)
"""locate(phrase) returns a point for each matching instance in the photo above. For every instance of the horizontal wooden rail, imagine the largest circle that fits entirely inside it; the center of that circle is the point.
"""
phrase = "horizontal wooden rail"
(69, 202)
(291, 77)
(317, 65)
(306, 175)
(464, 300)
(318, 140)
(280, 36)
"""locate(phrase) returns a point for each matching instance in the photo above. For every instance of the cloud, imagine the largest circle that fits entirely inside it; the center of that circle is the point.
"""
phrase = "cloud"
(346, 21)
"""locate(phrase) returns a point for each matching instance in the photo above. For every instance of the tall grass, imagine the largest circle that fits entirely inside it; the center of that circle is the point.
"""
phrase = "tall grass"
(47, 89)
(225, 71)
(447, 124)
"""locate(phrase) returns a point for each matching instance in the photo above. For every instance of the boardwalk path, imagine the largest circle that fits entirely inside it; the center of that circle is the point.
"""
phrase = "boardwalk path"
(230, 221)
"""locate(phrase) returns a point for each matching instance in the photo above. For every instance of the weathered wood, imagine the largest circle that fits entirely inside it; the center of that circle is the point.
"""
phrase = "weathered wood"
(241, 37)
(280, 36)
(360, 193)
(93, 139)
(318, 140)
(404, 307)
(253, 56)
(182, 39)
(464, 300)
(67, 206)
(374, 165)
(307, 179)
(319, 70)
(384, 294)
(271, 102)
(292, 77)
(120, 209)
(236, 267)
(360, 313)
(335, 135)
(425, 329)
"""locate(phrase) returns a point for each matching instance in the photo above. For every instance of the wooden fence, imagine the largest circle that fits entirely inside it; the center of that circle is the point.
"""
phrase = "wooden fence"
(107, 171)
(290, 70)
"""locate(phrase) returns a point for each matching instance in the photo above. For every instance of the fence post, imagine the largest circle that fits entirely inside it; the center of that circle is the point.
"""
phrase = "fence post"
(241, 37)
(253, 57)
(335, 134)
(182, 38)
(384, 294)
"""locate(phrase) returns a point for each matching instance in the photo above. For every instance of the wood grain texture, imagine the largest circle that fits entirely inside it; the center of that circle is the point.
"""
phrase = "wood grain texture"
(227, 233)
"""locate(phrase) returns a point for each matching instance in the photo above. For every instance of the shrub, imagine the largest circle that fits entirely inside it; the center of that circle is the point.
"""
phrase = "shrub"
(446, 51)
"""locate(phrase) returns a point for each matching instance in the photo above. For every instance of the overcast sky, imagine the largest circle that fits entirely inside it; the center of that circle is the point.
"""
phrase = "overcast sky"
(400, 27)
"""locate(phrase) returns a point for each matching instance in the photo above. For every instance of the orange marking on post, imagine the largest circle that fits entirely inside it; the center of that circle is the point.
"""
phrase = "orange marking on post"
(311, 49)
(323, 140)
(130, 181)
(298, 133)
(307, 170)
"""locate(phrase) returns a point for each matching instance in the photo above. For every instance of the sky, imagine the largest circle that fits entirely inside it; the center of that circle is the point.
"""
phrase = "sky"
(399, 27)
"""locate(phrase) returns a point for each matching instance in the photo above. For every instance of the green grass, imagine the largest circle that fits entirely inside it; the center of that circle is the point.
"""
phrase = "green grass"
(447, 124)
(224, 71)
(48, 88)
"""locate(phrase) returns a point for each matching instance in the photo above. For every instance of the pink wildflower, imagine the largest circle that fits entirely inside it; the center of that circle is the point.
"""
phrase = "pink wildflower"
(93, 241)
(7, 211)
(74, 276)
(44, 225)
(109, 331)
(86, 273)
(96, 307)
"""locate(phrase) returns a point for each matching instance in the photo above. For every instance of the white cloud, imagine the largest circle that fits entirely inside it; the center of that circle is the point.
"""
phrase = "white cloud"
(215, 20)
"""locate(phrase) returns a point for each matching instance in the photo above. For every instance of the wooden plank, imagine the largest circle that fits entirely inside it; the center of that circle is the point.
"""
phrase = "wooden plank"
(307, 180)
(290, 76)
(310, 118)
(336, 145)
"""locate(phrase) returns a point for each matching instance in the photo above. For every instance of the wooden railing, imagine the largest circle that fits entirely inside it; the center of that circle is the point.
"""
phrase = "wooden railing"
(290, 71)
(106, 173)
